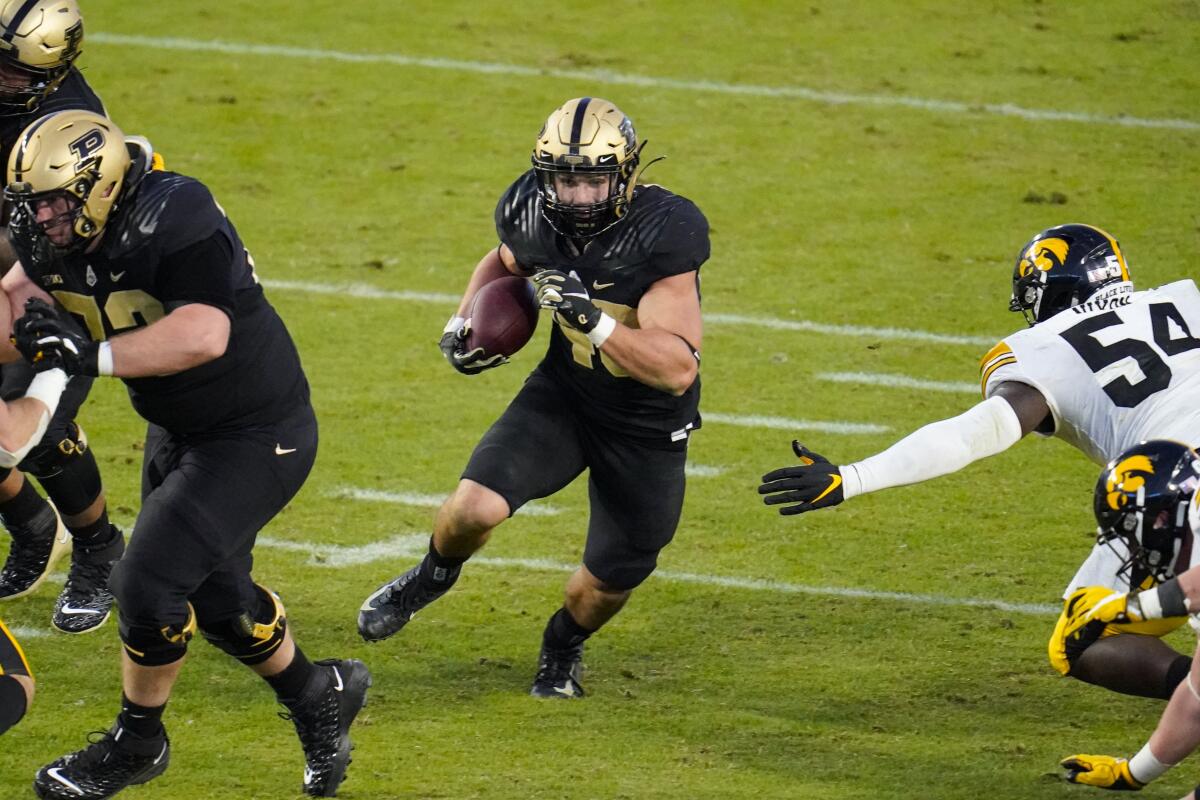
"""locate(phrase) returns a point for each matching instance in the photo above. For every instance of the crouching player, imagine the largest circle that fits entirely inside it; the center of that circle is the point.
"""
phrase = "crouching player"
(1148, 509)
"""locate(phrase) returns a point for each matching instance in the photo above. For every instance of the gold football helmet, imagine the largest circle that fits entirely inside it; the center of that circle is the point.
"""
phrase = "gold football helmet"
(39, 39)
(586, 136)
(76, 155)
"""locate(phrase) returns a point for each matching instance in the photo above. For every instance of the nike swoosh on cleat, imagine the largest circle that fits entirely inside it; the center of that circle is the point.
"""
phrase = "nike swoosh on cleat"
(66, 609)
(116, 276)
(597, 285)
(53, 774)
(337, 676)
(566, 689)
(308, 776)
(834, 482)
(281, 451)
(162, 753)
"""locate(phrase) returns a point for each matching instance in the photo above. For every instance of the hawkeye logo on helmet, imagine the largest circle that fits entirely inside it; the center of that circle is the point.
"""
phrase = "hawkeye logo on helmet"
(1122, 482)
(1044, 255)
(86, 146)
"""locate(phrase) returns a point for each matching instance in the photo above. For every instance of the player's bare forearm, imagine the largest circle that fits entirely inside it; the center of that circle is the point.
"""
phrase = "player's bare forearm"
(1178, 731)
(659, 353)
(654, 357)
(493, 266)
(20, 420)
(18, 288)
(189, 336)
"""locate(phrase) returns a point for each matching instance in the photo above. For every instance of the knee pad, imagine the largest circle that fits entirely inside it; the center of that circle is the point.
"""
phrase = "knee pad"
(253, 635)
(153, 645)
(66, 468)
(12, 657)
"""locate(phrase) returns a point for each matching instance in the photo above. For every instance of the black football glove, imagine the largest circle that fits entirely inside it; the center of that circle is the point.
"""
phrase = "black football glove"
(468, 362)
(567, 295)
(814, 483)
(49, 340)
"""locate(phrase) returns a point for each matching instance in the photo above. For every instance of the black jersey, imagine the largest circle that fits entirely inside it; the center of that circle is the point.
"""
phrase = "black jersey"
(662, 235)
(73, 93)
(169, 245)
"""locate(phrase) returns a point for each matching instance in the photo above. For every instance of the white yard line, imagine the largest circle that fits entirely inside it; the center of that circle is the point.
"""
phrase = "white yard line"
(411, 546)
(536, 508)
(591, 76)
(703, 471)
(786, 424)
(900, 382)
(368, 292)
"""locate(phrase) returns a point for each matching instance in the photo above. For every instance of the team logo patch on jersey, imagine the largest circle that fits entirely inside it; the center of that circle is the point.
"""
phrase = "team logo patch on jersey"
(87, 146)
(1044, 255)
(1124, 481)
(90, 276)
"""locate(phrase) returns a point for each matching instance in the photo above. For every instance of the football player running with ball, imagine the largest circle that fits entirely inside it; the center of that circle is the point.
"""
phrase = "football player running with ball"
(617, 392)
(1102, 367)
(166, 293)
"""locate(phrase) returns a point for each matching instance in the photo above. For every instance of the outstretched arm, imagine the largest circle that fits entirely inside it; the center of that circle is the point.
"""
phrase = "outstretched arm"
(937, 449)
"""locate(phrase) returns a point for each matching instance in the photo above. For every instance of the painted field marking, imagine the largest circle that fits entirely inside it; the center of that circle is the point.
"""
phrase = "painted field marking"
(648, 81)
(368, 292)
(535, 508)
(900, 382)
(702, 471)
(25, 632)
(786, 424)
(415, 545)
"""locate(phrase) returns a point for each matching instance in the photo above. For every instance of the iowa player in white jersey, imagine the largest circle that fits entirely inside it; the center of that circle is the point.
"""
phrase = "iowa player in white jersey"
(617, 393)
(1101, 367)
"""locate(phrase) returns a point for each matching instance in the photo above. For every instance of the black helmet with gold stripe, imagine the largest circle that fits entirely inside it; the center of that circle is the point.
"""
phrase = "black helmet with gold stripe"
(588, 144)
(39, 39)
(1141, 501)
(1062, 267)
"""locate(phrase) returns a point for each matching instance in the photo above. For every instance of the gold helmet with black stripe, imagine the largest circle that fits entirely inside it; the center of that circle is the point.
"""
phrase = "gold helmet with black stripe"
(1062, 267)
(587, 140)
(39, 40)
(67, 167)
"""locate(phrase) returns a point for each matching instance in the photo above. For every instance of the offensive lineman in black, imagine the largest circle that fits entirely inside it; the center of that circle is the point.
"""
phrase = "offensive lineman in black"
(617, 392)
(39, 43)
(149, 264)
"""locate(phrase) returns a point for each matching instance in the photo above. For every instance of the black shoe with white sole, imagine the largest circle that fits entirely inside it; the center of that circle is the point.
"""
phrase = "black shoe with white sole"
(323, 723)
(114, 760)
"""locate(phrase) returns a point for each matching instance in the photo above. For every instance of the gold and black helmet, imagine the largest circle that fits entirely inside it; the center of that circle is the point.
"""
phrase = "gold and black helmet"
(39, 39)
(78, 155)
(1062, 267)
(590, 136)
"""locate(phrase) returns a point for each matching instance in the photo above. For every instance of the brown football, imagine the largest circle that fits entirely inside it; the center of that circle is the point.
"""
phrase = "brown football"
(503, 316)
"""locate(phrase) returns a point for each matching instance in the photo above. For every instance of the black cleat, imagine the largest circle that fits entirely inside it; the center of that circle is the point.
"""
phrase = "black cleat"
(85, 601)
(114, 760)
(391, 607)
(36, 546)
(558, 673)
(323, 724)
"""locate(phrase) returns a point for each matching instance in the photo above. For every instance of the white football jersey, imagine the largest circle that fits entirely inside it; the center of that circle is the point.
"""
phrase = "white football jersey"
(1119, 369)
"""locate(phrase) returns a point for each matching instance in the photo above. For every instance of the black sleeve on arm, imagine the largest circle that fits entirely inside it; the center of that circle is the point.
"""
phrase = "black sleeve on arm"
(201, 272)
(683, 245)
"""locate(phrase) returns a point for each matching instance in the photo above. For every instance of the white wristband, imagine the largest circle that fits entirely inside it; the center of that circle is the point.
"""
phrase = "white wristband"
(454, 325)
(1149, 604)
(104, 359)
(604, 328)
(48, 387)
(1144, 767)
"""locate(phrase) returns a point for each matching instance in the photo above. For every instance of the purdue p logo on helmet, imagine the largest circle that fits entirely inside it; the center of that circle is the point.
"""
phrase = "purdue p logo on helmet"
(1062, 267)
(586, 136)
(39, 40)
(77, 156)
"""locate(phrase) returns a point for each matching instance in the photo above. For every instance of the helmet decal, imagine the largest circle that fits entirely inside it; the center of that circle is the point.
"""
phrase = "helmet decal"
(1044, 255)
(1123, 480)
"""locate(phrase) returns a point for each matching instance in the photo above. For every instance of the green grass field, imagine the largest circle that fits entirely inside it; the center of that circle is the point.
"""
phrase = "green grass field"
(864, 166)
